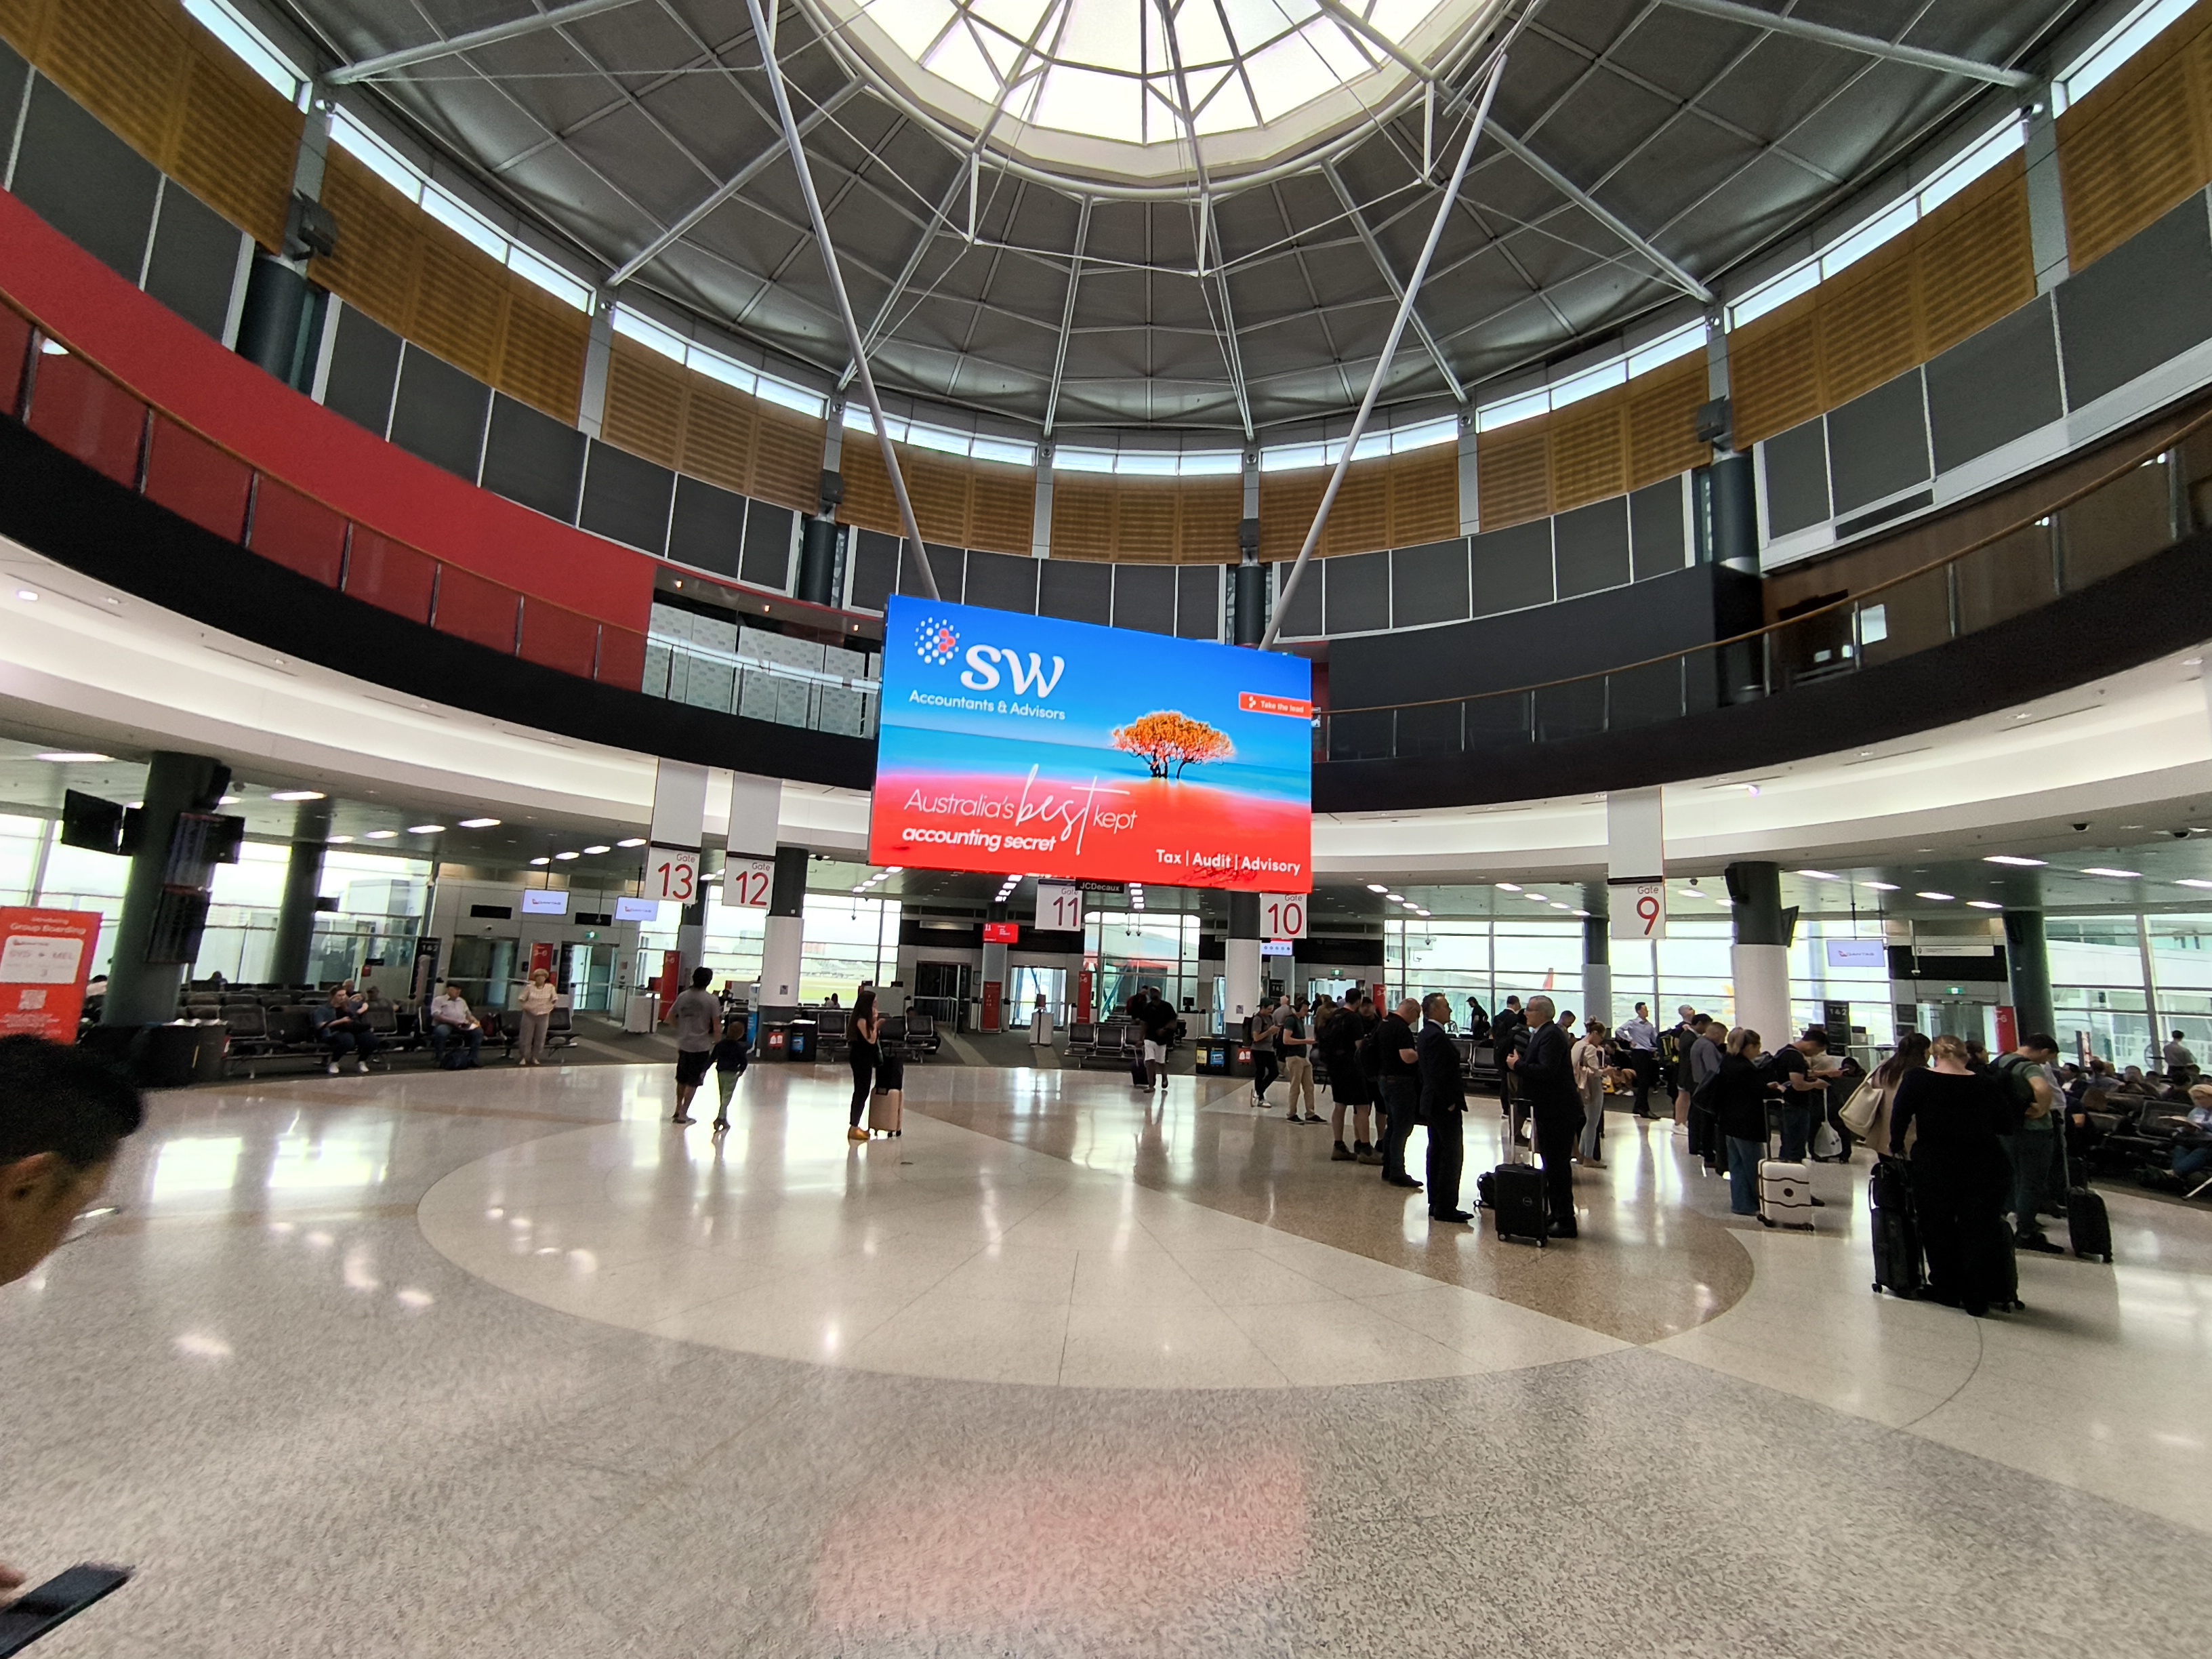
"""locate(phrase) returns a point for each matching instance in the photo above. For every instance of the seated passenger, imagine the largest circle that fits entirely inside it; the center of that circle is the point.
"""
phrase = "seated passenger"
(342, 1024)
(2192, 1147)
(453, 1029)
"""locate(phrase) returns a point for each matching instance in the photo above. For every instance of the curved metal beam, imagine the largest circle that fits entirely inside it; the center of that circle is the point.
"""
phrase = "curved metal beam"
(1774, 22)
(575, 11)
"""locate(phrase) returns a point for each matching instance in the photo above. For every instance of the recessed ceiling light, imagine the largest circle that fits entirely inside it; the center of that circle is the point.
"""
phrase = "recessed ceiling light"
(894, 869)
(564, 857)
(230, 800)
(479, 824)
(426, 828)
(1507, 887)
(2192, 662)
(1881, 886)
(2191, 881)
(632, 841)
(296, 794)
(1556, 905)
(2116, 875)
(1584, 915)
(1751, 788)
(1821, 875)
(1983, 904)
(1396, 898)
(1940, 898)
(383, 835)
(1420, 912)
(2008, 858)
(1537, 898)
(859, 889)
(596, 851)
(339, 841)
(73, 757)
(541, 860)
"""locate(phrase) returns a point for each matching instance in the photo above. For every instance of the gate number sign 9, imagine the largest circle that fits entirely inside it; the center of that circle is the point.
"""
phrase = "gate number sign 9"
(1647, 911)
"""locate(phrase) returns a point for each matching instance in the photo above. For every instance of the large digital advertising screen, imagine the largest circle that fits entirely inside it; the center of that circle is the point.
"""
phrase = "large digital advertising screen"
(1027, 745)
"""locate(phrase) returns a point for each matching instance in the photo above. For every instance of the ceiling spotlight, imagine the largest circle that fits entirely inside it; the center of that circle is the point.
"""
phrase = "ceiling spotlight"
(2191, 881)
(1538, 898)
(1983, 904)
(1420, 912)
(596, 851)
(1396, 898)
(296, 794)
(83, 758)
(859, 889)
(631, 841)
(1555, 904)
(383, 835)
(541, 860)
(1376, 887)
(479, 824)
(1507, 887)
(1751, 788)
(228, 800)
(1942, 898)
(426, 828)
(2116, 875)
(1881, 886)
(28, 595)
(564, 857)
(339, 841)
(2008, 858)
(893, 869)
(1821, 875)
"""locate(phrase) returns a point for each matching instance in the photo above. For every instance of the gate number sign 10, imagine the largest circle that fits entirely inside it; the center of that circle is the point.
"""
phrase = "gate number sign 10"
(1283, 916)
(673, 874)
(746, 881)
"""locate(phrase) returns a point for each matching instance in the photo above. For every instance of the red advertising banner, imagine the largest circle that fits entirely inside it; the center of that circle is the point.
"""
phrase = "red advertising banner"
(541, 955)
(992, 992)
(46, 958)
(1002, 932)
(672, 970)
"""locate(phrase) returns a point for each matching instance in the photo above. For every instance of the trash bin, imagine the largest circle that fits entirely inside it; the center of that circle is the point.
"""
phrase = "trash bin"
(211, 1064)
(800, 1040)
(774, 1040)
(165, 1056)
(641, 1013)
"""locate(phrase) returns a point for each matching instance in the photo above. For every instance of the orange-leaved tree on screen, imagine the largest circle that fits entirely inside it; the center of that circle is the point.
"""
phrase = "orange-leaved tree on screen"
(1169, 741)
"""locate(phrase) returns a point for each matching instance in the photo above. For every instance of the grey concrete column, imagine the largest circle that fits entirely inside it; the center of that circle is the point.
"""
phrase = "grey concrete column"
(785, 935)
(1597, 957)
(140, 992)
(291, 956)
(1470, 477)
(599, 356)
(1760, 956)
(2046, 202)
(2028, 962)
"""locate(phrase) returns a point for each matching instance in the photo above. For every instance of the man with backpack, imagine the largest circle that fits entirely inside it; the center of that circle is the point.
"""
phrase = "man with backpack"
(1674, 1057)
(2027, 1129)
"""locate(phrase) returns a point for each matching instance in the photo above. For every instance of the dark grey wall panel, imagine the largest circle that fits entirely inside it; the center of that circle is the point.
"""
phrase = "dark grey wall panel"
(1590, 547)
(1198, 601)
(364, 368)
(531, 457)
(195, 261)
(440, 413)
(2147, 300)
(626, 497)
(1359, 591)
(1303, 619)
(1512, 569)
(707, 528)
(84, 181)
(1076, 590)
(1878, 444)
(12, 72)
(1429, 584)
(946, 564)
(1996, 385)
(767, 562)
(1796, 478)
(1002, 581)
(1655, 530)
(875, 558)
(1144, 597)
(1673, 612)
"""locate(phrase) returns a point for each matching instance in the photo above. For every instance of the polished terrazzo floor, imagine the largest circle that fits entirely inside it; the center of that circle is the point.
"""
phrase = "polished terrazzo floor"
(497, 1363)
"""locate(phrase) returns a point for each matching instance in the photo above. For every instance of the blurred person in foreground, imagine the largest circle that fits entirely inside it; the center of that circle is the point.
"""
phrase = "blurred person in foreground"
(63, 1114)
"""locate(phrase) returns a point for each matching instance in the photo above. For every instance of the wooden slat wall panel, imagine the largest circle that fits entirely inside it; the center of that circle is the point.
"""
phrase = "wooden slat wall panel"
(2139, 143)
(1513, 473)
(1359, 519)
(1662, 422)
(1082, 516)
(868, 501)
(718, 434)
(645, 403)
(788, 458)
(938, 487)
(1589, 450)
(1145, 520)
(235, 142)
(1424, 496)
(1869, 323)
(1209, 510)
(1774, 371)
(1001, 508)
(380, 243)
(460, 304)
(126, 61)
(1287, 502)
(1977, 257)
(541, 357)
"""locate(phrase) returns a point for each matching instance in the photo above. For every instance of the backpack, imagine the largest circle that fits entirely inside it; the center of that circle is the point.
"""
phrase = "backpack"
(1670, 1047)
(2018, 1070)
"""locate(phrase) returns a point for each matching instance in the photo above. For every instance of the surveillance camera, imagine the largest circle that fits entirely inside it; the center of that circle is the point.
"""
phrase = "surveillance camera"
(2080, 826)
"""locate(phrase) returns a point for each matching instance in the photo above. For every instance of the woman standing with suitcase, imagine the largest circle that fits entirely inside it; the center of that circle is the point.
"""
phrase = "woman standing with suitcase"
(1948, 1116)
(860, 1034)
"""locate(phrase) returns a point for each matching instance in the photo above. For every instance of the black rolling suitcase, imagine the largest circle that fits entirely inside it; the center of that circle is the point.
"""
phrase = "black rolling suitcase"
(1514, 1194)
(2088, 1228)
(1899, 1266)
(2001, 1266)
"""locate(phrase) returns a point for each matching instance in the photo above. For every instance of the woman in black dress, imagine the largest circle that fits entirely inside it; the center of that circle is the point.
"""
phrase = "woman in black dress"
(1958, 1173)
(861, 1034)
(1338, 1039)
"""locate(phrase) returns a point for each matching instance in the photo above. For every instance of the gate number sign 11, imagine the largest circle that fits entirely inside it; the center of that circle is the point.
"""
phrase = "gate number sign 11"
(1060, 906)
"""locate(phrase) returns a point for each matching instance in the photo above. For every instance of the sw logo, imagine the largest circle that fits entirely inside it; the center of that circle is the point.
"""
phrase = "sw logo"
(935, 639)
(981, 673)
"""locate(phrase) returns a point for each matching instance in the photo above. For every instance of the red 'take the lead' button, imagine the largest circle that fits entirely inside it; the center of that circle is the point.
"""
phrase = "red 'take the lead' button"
(1257, 702)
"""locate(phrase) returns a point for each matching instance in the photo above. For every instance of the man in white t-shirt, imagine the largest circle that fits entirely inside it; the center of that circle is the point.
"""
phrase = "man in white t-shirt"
(453, 1029)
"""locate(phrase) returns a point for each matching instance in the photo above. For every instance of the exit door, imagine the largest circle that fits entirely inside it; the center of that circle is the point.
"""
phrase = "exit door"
(588, 976)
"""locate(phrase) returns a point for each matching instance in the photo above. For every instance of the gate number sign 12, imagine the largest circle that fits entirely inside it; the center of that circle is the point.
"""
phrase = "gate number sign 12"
(746, 881)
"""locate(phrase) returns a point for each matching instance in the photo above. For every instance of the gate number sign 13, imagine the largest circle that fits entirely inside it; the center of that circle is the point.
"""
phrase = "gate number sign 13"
(746, 881)
(673, 874)
(1282, 916)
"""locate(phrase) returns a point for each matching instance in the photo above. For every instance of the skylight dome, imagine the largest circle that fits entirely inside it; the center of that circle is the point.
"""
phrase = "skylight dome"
(1105, 89)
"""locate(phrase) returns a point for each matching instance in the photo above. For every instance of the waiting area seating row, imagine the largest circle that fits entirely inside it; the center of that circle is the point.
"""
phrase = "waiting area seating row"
(267, 1024)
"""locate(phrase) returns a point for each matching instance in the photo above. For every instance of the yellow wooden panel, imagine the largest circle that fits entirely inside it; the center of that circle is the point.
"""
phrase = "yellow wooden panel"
(1774, 372)
(1589, 450)
(718, 434)
(1207, 512)
(1977, 257)
(1513, 472)
(1869, 324)
(868, 501)
(1424, 496)
(1145, 520)
(236, 141)
(1287, 504)
(1082, 516)
(1662, 422)
(788, 458)
(1001, 508)
(123, 60)
(460, 303)
(541, 356)
(1359, 518)
(380, 243)
(938, 487)
(2134, 146)
(645, 403)
(23, 25)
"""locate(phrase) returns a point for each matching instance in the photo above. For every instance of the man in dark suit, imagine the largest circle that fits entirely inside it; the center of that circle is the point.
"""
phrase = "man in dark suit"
(1443, 1109)
(1544, 1075)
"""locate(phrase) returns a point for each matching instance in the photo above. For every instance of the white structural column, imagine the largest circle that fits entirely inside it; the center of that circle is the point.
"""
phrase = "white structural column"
(1760, 956)
(679, 823)
(1240, 965)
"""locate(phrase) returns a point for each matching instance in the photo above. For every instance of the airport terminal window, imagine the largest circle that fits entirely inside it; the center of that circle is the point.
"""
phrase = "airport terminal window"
(1134, 951)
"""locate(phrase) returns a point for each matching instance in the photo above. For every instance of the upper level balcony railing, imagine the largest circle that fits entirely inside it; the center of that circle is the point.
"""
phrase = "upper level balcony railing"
(2138, 506)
